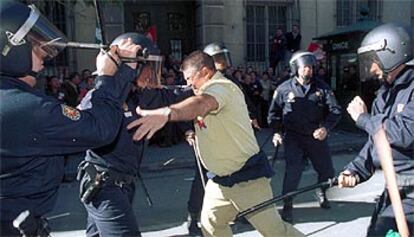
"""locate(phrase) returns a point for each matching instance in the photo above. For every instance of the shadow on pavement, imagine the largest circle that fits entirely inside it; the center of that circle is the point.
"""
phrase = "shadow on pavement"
(339, 212)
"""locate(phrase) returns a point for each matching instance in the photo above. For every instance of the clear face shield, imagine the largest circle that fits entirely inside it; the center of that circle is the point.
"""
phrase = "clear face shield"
(304, 61)
(367, 68)
(370, 65)
(223, 59)
(40, 32)
(149, 71)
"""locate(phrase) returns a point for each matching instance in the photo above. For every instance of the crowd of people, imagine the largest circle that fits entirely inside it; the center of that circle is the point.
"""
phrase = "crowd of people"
(124, 104)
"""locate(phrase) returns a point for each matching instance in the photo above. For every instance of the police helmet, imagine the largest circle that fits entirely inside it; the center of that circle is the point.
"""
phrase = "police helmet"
(220, 54)
(22, 28)
(389, 45)
(149, 57)
(300, 59)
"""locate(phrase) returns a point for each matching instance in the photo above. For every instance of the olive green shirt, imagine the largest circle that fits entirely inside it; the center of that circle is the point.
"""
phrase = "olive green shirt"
(228, 140)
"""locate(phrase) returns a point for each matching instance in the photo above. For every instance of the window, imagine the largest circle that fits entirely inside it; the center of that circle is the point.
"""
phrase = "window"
(344, 12)
(261, 23)
(175, 49)
(349, 11)
(255, 33)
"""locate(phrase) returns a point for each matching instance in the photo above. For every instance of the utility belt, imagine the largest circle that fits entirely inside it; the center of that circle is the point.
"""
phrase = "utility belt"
(257, 166)
(93, 177)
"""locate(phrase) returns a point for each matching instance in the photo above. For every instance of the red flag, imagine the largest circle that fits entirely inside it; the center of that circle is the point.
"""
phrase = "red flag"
(313, 47)
(152, 33)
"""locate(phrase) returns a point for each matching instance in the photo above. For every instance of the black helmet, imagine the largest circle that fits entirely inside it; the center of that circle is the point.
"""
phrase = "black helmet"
(301, 58)
(149, 56)
(23, 27)
(220, 54)
(389, 45)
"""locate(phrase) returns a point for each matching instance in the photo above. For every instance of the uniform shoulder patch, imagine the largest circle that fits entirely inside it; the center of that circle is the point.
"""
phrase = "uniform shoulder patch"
(70, 112)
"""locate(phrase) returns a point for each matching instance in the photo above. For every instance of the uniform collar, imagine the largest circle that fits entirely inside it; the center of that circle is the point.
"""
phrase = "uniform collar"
(405, 76)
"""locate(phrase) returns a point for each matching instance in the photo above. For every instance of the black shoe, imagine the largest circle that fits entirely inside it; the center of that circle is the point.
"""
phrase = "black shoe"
(287, 212)
(193, 229)
(322, 199)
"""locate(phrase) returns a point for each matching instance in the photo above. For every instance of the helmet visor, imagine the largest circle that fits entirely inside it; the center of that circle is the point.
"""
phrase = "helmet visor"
(223, 58)
(306, 60)
(366, 61)
(149, 73)
(45, 35)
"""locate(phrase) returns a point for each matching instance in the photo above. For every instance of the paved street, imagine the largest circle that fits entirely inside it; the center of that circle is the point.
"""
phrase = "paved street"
(168, 173)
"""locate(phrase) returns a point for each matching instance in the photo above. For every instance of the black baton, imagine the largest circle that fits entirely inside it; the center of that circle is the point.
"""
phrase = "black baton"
(327, 184)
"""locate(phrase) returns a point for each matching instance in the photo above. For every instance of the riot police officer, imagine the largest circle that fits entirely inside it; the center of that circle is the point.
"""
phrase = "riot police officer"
(306, 109)
(36, 129)
(108, 173)
(386, 53)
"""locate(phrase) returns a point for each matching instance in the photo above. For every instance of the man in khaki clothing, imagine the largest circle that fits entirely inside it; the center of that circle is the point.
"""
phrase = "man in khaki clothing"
(239, 173)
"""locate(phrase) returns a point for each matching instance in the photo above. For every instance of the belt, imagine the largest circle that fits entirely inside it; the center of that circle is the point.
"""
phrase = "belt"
(108, 175)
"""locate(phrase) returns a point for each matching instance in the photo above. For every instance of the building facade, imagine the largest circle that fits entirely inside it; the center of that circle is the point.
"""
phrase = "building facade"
(246, 27)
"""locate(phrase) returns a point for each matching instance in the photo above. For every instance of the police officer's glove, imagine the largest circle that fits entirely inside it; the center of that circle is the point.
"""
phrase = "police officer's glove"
(347, 179)
(277, 139)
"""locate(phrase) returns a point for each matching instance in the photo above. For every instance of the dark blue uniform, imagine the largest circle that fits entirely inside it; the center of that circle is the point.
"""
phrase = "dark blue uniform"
(110, 212)
(394, 109)
(300, 114)
(37, 130)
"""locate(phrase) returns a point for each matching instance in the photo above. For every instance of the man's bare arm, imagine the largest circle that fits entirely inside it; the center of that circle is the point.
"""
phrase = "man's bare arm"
(192, 107)
(189, 109)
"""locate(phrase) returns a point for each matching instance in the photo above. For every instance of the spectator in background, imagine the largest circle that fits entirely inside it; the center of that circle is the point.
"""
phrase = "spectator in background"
(284, 76)
(277, 49)
(293, 40)
(321, 75)
(84, 76)
(88, 84)
(71, 89)
(53, 88)
(267, 88)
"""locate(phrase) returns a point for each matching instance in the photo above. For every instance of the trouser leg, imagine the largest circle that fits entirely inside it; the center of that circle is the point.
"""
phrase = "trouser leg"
(217, 212)
(294, 164)
(111, 212)
(319, 155)
(266, 221)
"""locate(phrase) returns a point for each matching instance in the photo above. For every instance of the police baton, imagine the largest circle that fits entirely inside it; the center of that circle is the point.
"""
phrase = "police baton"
(193, 142)
(275, 156)
(327, 184)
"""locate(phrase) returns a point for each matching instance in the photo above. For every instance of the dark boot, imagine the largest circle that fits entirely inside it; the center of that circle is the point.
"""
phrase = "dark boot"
(192, 224)
(287, 211)
(322, 199)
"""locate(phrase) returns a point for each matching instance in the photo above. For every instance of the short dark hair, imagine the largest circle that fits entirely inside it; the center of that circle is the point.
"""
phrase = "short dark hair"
(198, 59)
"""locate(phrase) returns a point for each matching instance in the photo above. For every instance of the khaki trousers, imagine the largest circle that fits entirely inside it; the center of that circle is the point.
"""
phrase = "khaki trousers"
(221, 205)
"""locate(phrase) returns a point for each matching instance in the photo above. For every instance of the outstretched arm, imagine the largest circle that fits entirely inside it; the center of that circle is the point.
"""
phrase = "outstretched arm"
(189, 109)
